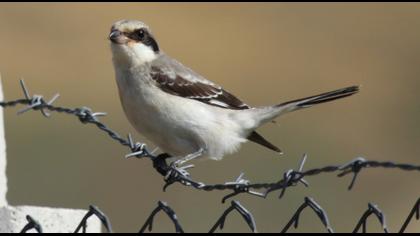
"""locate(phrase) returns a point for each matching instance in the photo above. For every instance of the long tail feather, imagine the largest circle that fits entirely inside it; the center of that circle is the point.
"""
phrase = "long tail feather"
(265, 114)
(321, 98)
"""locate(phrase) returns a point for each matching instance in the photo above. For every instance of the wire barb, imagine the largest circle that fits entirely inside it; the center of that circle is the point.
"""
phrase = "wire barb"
(138, 150)
(162, 206)
(246, 215)
(32, 224)
(355, 166)
(86, 115)
(290, 178)
(241, 185)
(372, 209)
(93, 210)
(36, 102)
(175, 174)
(309, 202)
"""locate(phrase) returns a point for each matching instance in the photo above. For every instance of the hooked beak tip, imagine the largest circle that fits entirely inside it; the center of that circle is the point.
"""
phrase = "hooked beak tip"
(114, 36)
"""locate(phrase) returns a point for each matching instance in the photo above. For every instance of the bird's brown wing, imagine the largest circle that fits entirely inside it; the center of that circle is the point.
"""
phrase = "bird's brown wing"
(176, 79)
(208, 93)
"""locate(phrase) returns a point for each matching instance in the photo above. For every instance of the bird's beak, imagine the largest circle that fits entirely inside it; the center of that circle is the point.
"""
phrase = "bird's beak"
(117, 37)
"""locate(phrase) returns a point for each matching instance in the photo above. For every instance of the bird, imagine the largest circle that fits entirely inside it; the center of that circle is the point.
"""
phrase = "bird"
(186, 115)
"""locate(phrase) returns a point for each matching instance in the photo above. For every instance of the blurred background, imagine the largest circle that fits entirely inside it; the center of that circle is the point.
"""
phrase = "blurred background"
(265, 53)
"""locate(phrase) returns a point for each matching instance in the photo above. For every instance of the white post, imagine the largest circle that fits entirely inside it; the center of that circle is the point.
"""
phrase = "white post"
(3, 178)
(52, 220)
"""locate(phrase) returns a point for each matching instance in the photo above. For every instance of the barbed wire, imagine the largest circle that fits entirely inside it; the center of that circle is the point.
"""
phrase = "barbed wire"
(32, 224)
(309, 202)
(94, 211)
(372, 210)
(246, 215)
(174, 174)
(162, 206)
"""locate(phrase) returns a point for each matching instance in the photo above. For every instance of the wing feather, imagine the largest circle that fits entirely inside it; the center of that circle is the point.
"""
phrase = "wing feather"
(179, 80)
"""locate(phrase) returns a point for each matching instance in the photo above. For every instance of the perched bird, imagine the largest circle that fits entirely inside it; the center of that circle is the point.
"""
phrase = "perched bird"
(179, 110)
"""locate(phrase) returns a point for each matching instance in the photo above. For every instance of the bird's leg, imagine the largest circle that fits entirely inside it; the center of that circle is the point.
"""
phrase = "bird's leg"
(187, 158)
(176, 172)
(167, 170)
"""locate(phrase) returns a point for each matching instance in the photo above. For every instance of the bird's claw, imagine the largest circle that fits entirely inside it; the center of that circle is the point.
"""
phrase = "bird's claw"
(177, 165)
(176, 170)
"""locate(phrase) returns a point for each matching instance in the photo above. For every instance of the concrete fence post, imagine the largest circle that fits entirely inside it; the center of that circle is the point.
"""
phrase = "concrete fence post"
(3, 160)
(52, 220)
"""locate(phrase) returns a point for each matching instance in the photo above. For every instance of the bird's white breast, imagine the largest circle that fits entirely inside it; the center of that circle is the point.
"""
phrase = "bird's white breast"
(179, 126)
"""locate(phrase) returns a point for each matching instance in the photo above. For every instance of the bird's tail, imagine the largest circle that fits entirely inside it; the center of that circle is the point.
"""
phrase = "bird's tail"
(266, 114)
(251, 119)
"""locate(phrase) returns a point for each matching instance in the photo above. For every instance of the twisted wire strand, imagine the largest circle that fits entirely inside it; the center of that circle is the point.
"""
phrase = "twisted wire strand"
(241, 185)
(174, 175)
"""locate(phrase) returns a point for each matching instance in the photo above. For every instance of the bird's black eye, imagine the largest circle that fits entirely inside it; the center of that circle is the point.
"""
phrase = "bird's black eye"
(140, 34)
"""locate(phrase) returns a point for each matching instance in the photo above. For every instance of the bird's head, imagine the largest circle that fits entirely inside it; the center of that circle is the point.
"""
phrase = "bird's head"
(132, 43)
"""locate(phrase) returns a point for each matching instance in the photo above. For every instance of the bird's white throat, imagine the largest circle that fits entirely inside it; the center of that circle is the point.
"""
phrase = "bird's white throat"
(143, 53)
(133, 54)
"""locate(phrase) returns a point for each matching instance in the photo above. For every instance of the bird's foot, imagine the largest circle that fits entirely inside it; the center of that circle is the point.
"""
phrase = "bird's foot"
(176, 172)
(176, 168)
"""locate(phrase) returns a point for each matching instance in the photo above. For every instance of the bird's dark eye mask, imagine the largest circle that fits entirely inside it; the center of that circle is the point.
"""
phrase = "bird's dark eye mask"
(143, 36)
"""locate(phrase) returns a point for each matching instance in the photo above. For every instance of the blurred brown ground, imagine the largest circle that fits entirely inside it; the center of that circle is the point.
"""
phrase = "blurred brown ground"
(265, 53)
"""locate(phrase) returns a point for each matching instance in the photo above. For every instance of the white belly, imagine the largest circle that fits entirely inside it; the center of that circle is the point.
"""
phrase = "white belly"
(178, 126)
